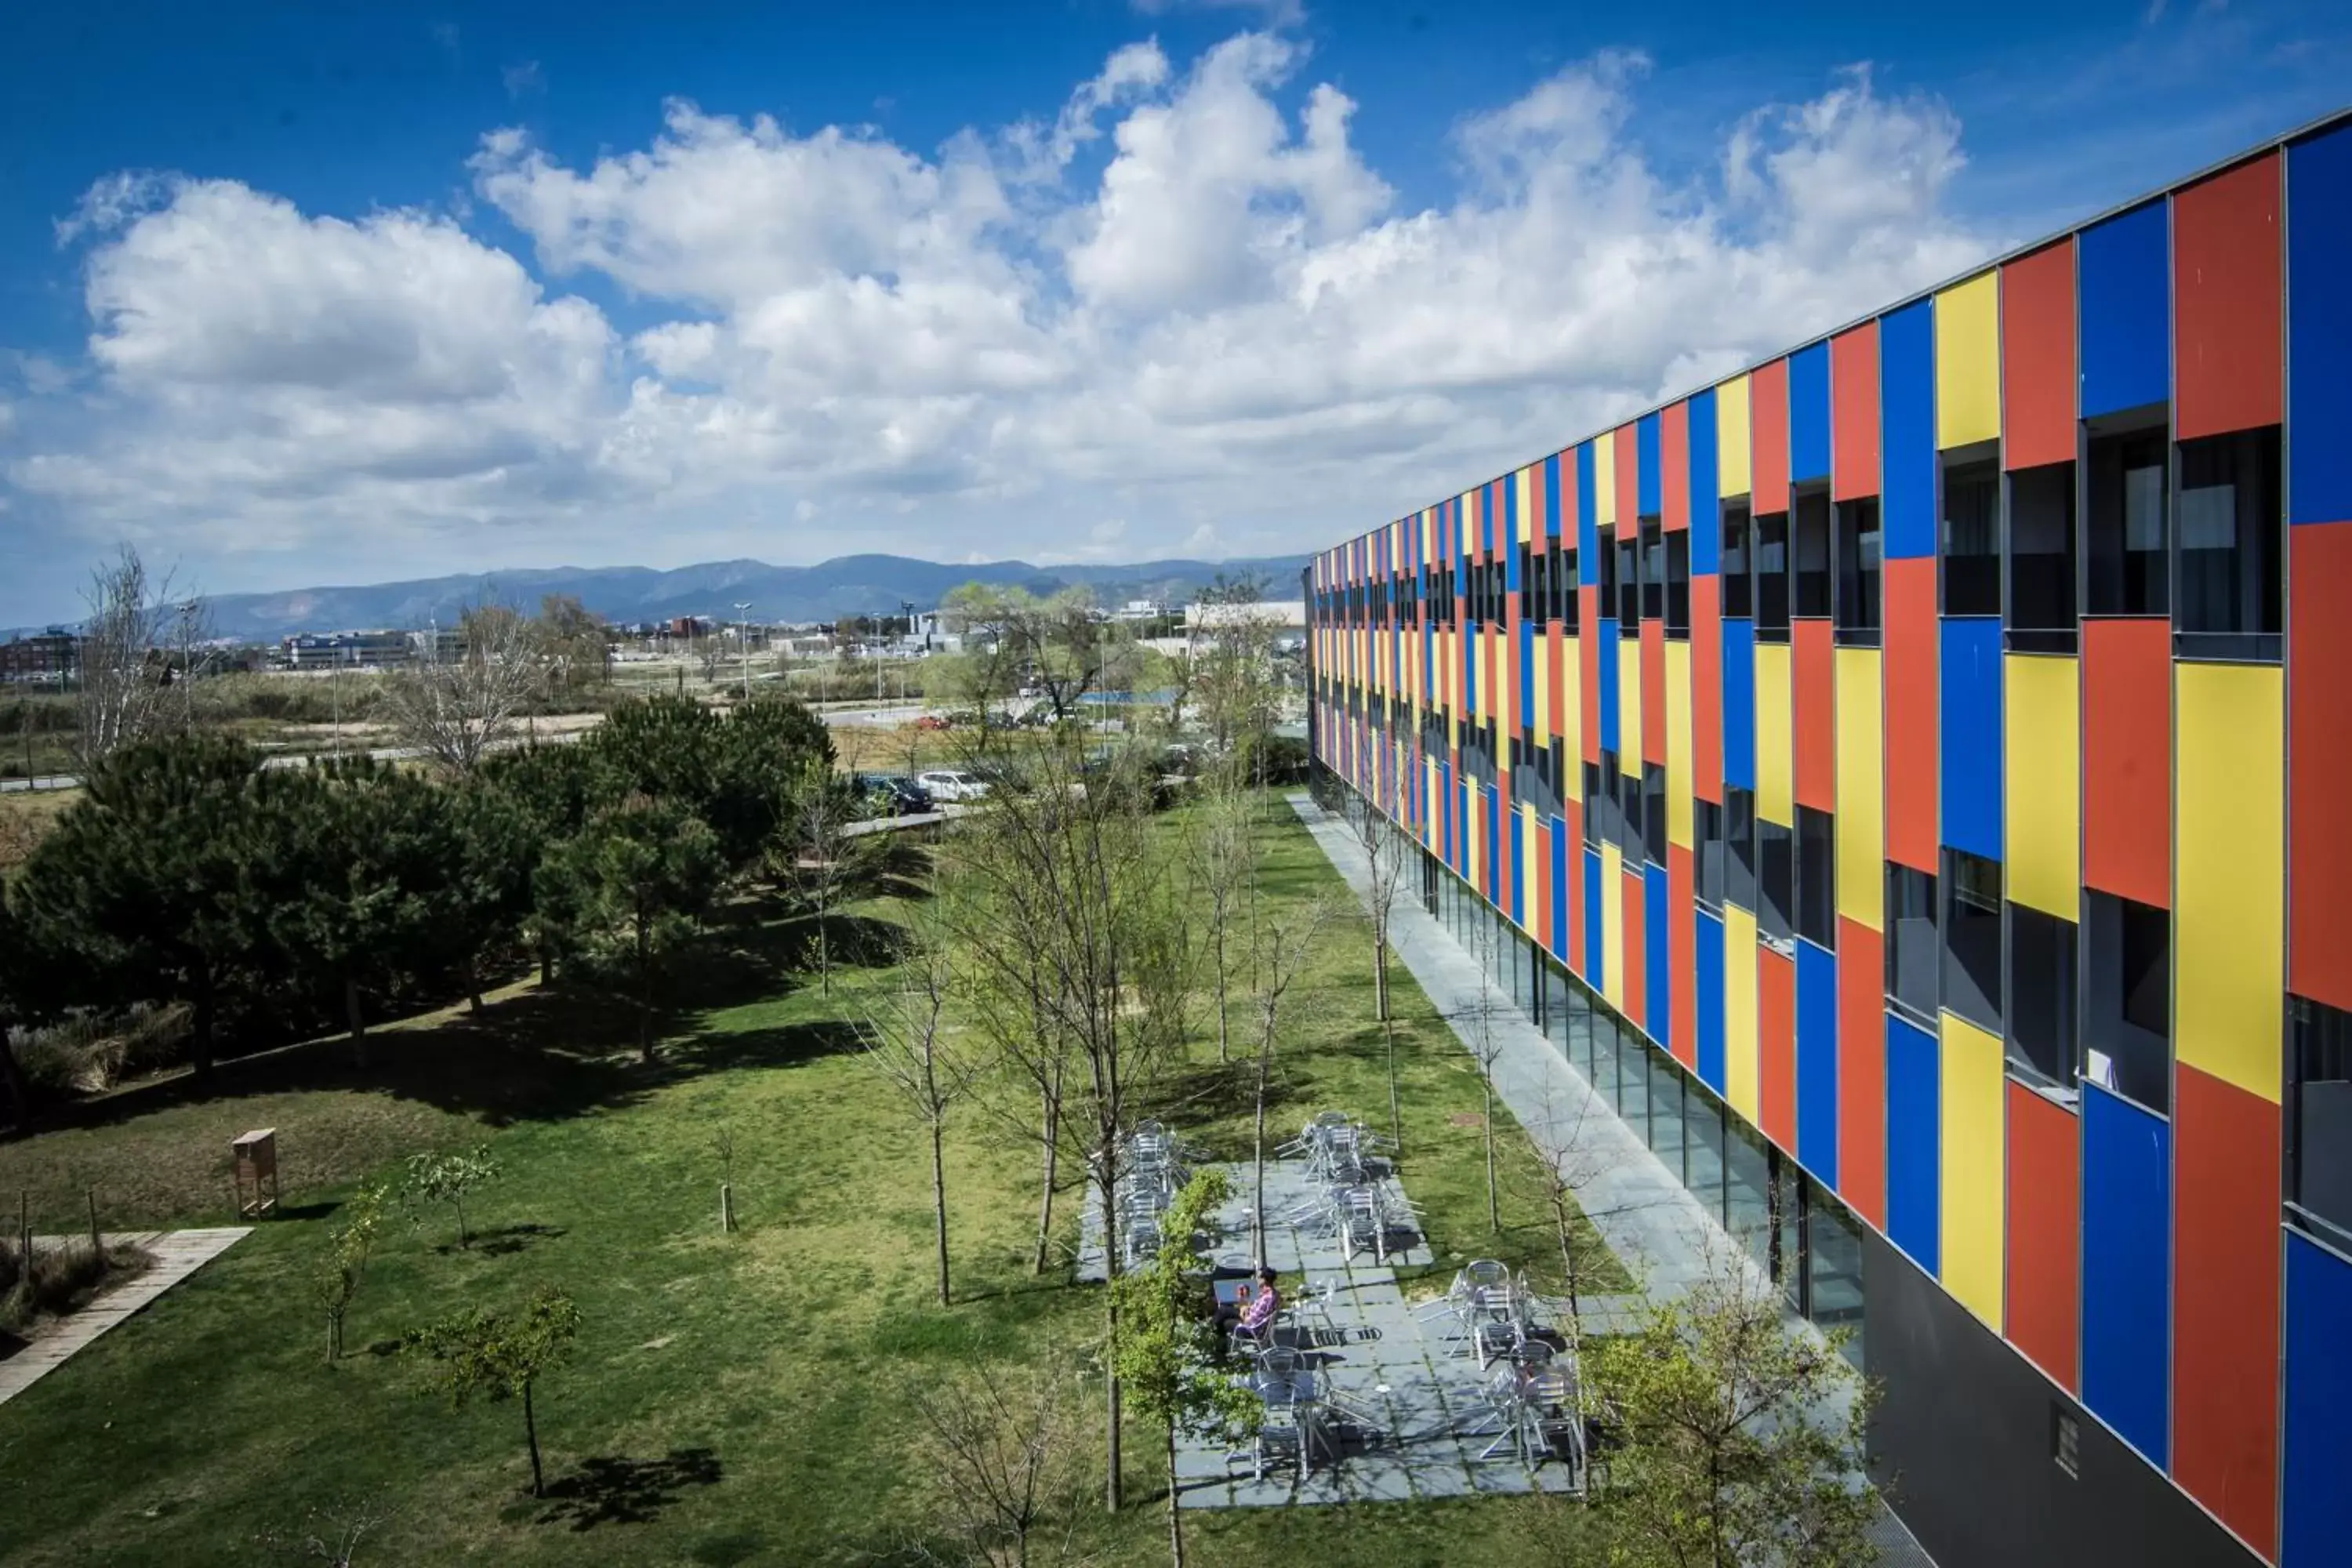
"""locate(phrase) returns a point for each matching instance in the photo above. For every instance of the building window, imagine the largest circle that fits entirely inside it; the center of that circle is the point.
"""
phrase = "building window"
(1833, 1272)
(1973, 938)
(1612, 801)
(1707, 822)
(2319, 1120)
(1739, 837)
(1971, 533)
(1653, 812)
(1679, 584)
(2230, 582)
(1572, 602)
(2042, 559)
(1814, 581)
(2065, 1439)
(1593, 796)
(1816, 877)
(1702, 1150)
(1629, 579)
(2127, 999)
(1632, 819)
(1738, 598)
(1777, 880)
(1534, 584)
(1772, 577)
(2125, 523)
(2042, 1010)
(1858, 573)
(1914, 956)
(1607, 565)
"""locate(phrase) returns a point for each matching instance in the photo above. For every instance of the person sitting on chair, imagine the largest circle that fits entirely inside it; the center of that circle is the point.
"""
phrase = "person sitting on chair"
(1255, 1319)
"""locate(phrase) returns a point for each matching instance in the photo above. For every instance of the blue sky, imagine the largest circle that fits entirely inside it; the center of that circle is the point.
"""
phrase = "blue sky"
(294, 293)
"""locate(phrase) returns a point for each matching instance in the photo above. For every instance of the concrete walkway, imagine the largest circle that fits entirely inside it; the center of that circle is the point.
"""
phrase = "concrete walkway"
(176, 1253)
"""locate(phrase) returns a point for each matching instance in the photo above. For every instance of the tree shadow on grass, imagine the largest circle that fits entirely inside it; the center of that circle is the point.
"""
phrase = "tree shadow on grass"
(613, 1489)
(504, 1240)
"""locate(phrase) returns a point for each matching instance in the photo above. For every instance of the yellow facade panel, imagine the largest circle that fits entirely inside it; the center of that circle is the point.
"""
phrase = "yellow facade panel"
(1613, 926)
(1540, 722)
(1731, 438)
(1743, 1062)
(1860, 798)
(2229, 938)
(1678, 744)
(1604, 481)
(1570, 676)
(2042, 751)
(1525, 480)
(1776, 744)
(1973, 1178)
(1967, 362)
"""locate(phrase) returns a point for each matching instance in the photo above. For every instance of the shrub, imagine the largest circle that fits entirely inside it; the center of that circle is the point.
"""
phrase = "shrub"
(90, 1052)
(58, 1279)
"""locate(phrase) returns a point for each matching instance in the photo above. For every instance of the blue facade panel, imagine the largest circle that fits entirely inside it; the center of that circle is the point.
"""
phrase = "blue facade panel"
(1906, 431)
(1518, 883)
(2317, 1523)
(1707, 963)
(1594, 966)
(1808, 413)
(1914, 1141)
(2128, 1269)
(1609, 688)
(1518, 725)
(1647, 480)
(1706, 489)
(1657, 990)
(2126, 303)
(2319, 327)
(1817, 1061)
(1739, 702)
(1969, 745)
(1552, 522)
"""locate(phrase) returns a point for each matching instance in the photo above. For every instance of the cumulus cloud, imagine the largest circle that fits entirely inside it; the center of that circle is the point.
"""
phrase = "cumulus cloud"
(1218, 329)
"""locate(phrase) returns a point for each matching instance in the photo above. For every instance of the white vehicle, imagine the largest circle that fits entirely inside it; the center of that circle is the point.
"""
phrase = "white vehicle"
(952, 784)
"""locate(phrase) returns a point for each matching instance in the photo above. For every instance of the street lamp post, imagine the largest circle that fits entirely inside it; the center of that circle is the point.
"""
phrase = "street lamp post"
(743, 638)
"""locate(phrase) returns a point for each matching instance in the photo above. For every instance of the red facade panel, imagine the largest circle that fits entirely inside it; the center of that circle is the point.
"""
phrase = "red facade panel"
(1911, 712)
(2038, 390)
(1682, 956)
(2225, 1347)
(2127, 759)
(2043, 1262)
(1775, 1032)
(1628, 460)
(1815, 665)
(1571, 814)
(1630, 888)
(1853, 401)
(1706, 688)
(1862, 1070)
(1674, 459)
(1653, 692)
(2228, 302)
(1767, 419)
(2319, 751)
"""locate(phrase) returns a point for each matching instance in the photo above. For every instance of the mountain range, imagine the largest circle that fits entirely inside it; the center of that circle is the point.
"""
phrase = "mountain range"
(848, 585)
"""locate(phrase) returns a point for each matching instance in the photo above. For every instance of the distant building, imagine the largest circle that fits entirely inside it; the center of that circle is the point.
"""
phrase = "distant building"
(45, 658)
(318, 650)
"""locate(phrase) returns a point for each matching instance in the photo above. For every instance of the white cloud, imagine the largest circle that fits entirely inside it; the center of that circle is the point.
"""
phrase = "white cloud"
(1225, 335)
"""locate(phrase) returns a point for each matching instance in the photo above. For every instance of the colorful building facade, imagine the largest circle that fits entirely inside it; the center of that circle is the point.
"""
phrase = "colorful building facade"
(1938, 742)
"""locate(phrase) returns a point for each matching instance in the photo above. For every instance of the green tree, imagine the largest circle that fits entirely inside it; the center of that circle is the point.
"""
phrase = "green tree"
(449, 1179)
(824, 862)
(552, 790)
(577, 645)
(501, 1356)
(335, 1279)
(1741, 1441)
(17, 966)
(1165, 1355)
(636, 878)
(141, 889)
(913, 1048)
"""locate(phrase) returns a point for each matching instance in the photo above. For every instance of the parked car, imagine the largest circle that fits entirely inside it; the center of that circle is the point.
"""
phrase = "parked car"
(932, 721)
(952, 784)
(895, 796)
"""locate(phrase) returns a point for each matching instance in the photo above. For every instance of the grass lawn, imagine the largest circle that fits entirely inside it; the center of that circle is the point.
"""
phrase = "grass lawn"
(736, 1398)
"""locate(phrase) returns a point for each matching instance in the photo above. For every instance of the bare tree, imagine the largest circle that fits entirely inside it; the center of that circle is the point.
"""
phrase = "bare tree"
(121, 671)
(1487, 1048)
(1225, 853)
(912, 1046)
(1063, 866)
(1284, 943)
(826, 863)
(1005, 1465)
(1384, 866)
(457, 712)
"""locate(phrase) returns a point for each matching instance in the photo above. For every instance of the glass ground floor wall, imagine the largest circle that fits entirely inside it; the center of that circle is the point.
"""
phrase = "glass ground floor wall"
(1794, 1228)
